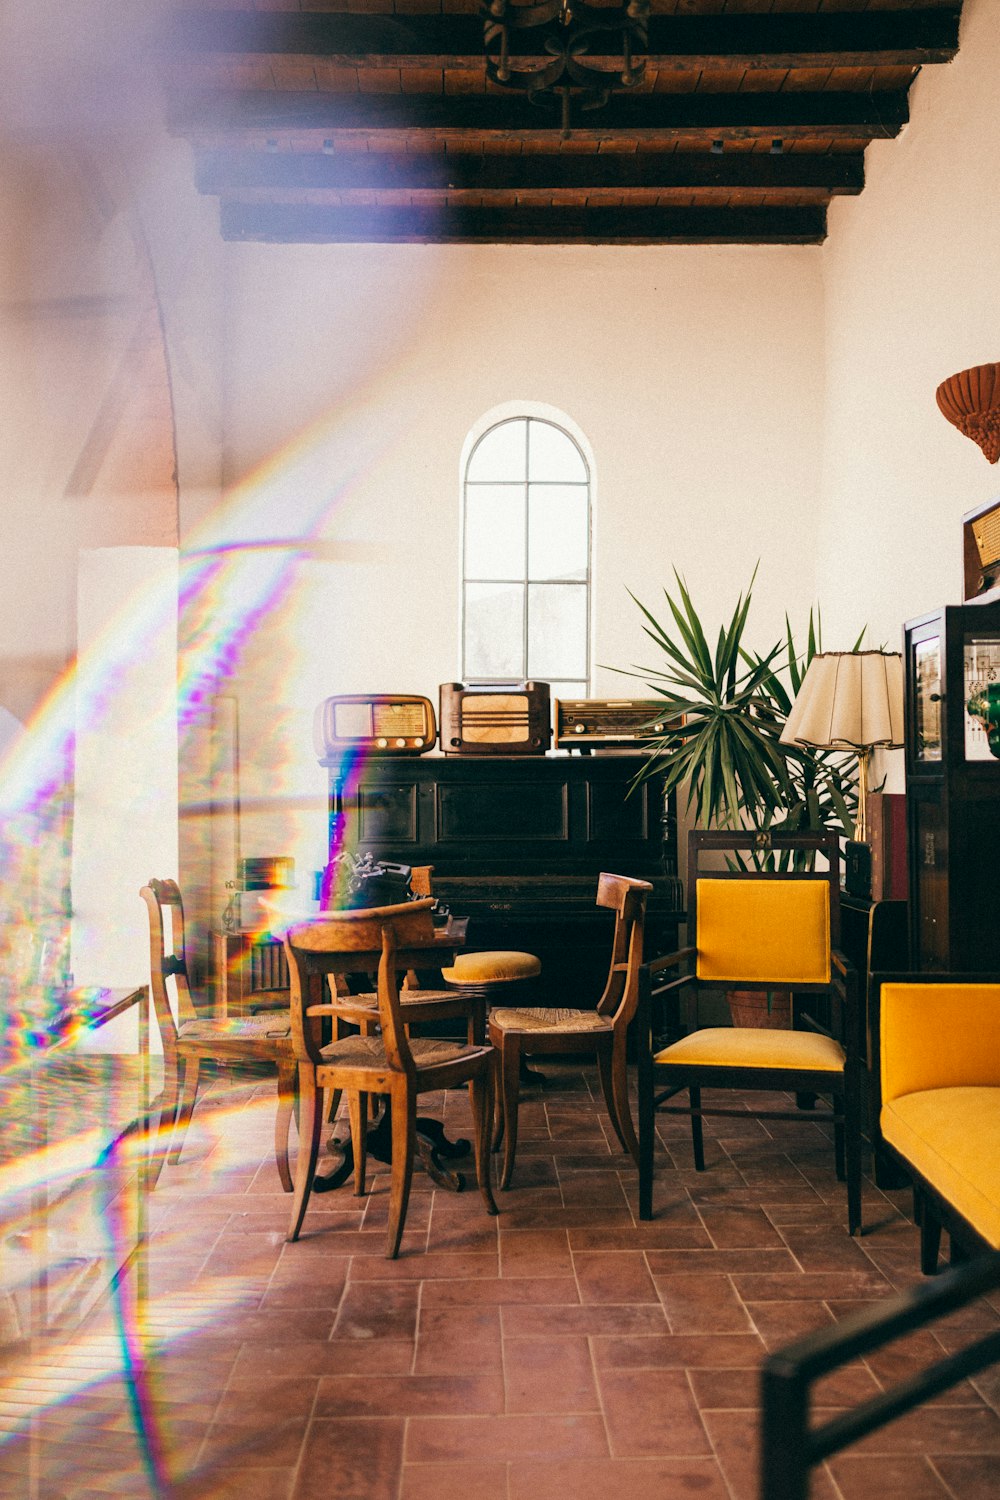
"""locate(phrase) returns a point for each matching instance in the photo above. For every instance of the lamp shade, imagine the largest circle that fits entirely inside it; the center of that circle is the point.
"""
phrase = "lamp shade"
(849, 700)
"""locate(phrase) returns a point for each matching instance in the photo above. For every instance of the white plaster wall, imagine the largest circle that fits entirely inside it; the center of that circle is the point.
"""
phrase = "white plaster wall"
(353, 376)
(912, 285)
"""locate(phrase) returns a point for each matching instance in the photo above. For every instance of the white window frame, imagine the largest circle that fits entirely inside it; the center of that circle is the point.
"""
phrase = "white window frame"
(530, 412)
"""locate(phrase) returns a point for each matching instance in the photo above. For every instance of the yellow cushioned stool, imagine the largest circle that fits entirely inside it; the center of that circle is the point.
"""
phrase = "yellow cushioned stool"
(494, 967)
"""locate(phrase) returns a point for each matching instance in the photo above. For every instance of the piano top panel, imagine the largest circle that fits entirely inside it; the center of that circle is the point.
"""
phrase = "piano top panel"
(508, 815)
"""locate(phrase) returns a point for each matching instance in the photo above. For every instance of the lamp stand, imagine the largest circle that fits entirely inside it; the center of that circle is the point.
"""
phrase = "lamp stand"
(858, 854)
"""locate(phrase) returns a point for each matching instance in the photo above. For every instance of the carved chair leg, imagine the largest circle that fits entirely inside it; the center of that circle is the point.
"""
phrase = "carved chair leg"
(481, 1099)
(510, 1079)
(623, 1107)
(605, 1073)
(310, 1125)
(697, 1134)
(287, 1074)
(192, 1066)
(404, 1131)
(357, 1108)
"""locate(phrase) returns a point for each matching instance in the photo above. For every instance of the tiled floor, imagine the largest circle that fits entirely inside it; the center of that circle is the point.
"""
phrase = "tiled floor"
(561, 1350)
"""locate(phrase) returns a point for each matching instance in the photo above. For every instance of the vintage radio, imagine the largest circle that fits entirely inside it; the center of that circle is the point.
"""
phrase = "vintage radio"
(495, 718)
(383, 723)
(606, 723)
(981, 552)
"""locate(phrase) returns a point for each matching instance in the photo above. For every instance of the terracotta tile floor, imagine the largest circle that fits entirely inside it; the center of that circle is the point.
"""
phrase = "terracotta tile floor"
(563, 1349)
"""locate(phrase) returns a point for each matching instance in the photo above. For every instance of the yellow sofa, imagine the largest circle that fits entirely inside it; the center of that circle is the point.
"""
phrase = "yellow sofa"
(939, 1107)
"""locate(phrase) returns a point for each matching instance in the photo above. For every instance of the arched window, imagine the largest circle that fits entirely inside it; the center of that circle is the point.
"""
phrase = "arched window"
(526, 558)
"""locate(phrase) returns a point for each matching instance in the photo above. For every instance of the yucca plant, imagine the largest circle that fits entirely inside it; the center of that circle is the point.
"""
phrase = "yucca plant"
(724, 741)
(730, 706)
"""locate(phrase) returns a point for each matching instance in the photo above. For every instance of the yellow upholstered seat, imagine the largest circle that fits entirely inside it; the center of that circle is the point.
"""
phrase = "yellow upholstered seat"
(758, 930)
(495, 967)
(951, 1137)
(748, 1046)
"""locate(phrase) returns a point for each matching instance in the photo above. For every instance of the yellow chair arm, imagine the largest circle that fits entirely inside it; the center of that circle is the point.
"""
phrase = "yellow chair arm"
(938, 1035)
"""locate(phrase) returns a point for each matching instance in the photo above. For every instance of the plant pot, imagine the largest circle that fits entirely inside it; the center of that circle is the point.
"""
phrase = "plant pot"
(750, 1008)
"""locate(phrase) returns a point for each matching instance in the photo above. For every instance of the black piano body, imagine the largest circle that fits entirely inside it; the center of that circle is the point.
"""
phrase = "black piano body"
(517, 844)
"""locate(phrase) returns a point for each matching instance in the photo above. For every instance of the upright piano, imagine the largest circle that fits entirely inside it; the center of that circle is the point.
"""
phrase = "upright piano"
(517, 844)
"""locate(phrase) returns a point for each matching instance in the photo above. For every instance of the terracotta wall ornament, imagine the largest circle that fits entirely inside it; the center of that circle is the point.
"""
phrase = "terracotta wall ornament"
(971, 400)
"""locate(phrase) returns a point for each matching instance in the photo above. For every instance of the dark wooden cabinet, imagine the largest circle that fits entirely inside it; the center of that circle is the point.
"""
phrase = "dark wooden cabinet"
(952, 657)
(517, 844)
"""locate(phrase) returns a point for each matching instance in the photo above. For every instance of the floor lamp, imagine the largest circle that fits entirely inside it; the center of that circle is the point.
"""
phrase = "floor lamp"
(851, 700)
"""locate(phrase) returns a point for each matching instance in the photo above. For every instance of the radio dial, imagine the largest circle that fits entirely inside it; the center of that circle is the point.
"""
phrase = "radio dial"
(579, 729)
(456, 741)
(658, 728)
(400, 743)
(381, 742)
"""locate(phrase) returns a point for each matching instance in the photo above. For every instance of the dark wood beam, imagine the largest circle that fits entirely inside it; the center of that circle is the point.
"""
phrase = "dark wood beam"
(852, 39)
(228, 172)
(316, 224)
(657, 117)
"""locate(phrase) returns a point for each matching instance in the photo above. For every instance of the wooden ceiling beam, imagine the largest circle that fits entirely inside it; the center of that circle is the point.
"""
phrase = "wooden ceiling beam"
(454, 224)
(847, 39)
(852, 117)
(228, 172)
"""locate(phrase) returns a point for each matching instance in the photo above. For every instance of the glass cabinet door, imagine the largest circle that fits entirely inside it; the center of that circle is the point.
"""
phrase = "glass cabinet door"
(927, 699)
(981, 696)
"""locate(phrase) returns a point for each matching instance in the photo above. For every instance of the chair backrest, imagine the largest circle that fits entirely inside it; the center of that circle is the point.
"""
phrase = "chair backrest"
(627, 899)
(167, 961)
(354, 940)
(763, 927)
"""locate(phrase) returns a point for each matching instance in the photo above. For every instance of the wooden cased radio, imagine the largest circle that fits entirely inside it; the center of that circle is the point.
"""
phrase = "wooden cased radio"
(495, 718)
(607, 723)
(380, 723)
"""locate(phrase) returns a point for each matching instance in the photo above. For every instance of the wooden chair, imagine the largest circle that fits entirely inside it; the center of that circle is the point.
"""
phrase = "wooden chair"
(518, 1032)
(759, 931)
(188, 1040)
(391, 1064)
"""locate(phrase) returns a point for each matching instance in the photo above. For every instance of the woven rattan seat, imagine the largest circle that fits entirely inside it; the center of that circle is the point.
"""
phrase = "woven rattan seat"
(369, 1051)
(549, 1018)
(235, 1029)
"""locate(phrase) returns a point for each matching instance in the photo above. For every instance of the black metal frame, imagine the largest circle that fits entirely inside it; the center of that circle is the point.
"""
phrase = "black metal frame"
(656, 984)
(932, 1210)
(790, 1447)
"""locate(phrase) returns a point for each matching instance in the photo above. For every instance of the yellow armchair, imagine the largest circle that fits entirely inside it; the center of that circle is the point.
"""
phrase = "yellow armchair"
(756, 930)
(939, 1101)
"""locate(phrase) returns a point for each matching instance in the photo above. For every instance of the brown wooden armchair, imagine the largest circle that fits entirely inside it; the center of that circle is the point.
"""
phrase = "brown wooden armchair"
(189, 1040)
(758, 931)
(392, 939)
(602, 1032)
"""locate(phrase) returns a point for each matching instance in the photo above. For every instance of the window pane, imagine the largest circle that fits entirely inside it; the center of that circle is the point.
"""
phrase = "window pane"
(494, 531)
(557, 630)
(557, 531)
(494, 630)
(553, 455)
(501, 453)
